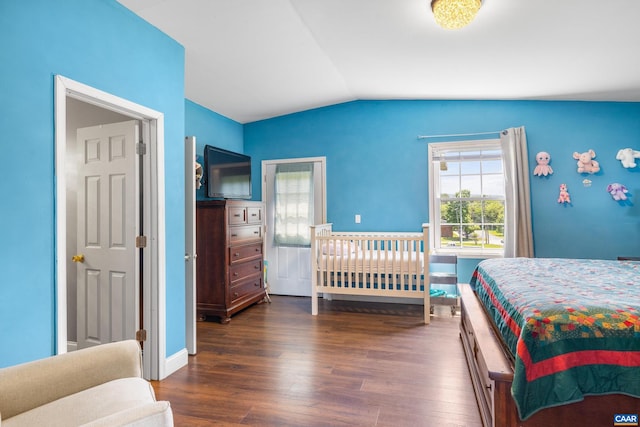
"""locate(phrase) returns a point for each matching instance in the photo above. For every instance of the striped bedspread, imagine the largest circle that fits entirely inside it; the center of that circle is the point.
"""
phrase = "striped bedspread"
(571, 325)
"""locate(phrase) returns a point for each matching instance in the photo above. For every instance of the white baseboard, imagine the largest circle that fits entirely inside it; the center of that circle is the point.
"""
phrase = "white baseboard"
(175, 362)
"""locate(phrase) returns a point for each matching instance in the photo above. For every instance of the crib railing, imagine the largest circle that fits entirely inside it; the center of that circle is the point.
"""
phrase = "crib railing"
(369, 263)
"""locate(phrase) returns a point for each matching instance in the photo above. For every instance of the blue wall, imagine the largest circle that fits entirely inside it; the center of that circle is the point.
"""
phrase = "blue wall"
(211, 128)
(377, 167)
(102, 44)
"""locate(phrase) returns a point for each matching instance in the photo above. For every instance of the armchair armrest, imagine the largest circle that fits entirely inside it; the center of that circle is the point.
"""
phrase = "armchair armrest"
(32, 384)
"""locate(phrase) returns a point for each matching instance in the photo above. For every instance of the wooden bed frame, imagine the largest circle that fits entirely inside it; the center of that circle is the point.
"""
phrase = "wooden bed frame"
(492, 373)
(369, 263)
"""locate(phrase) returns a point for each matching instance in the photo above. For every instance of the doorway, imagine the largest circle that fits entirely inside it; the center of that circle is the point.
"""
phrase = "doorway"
(288, 261)
(77, 103)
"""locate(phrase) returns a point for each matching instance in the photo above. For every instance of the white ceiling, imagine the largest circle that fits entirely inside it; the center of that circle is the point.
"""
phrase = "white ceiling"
(255, 59)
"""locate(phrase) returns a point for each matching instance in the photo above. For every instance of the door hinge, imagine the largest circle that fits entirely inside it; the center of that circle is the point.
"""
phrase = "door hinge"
(141, 241)
(141, 148)
(141, 335)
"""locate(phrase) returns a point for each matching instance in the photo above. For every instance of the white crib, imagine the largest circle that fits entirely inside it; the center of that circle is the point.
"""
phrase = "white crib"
(389, 264)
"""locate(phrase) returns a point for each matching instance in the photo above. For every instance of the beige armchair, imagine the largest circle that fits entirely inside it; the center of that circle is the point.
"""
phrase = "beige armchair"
(97, 386)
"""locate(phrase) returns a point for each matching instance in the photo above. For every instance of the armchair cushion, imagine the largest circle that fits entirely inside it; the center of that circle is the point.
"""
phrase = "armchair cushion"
(88, 405)
(79, 387)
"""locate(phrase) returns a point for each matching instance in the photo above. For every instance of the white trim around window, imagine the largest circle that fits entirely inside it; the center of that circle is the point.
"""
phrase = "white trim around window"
(467, 175)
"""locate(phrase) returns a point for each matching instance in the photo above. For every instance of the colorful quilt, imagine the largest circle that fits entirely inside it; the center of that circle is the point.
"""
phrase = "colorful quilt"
(572, 326)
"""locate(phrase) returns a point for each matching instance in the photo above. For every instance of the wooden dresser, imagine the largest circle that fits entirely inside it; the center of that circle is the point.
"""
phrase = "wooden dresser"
(229, 272)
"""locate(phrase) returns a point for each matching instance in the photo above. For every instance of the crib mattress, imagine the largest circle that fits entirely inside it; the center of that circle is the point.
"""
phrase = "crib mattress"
(378, 262)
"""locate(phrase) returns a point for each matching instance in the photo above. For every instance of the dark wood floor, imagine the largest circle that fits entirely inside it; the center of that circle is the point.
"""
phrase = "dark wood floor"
(356, 364)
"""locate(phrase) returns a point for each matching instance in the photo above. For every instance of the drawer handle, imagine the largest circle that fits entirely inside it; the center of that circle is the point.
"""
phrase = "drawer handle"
(235, 294)
(234, 235)
(256, 284)
(256, 232)
(236, 215)
(236, 254)
(488, 387)
(235, 274)
(257, 267)
(257, 249)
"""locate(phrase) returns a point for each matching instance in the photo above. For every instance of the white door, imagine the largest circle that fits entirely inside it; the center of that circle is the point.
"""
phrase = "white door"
(190, 240)
(289, 266)
(108, 221)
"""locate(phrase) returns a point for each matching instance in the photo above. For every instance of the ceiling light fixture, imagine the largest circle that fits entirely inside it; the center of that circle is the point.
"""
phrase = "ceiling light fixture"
(454, 14)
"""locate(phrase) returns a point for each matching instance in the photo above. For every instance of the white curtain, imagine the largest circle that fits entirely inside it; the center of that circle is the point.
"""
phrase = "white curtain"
(293, 204)
(518, 239)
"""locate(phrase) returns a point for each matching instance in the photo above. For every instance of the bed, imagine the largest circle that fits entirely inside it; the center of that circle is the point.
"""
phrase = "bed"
(553, 342)
(386, 264)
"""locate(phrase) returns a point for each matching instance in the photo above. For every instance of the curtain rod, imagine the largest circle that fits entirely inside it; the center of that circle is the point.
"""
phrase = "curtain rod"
(457, 134)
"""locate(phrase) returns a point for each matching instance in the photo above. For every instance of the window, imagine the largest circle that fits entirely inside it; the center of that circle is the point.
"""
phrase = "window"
(293, 204)
(467, 197)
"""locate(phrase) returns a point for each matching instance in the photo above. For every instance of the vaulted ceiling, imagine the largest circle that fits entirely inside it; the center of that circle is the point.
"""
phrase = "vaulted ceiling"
(255, 59)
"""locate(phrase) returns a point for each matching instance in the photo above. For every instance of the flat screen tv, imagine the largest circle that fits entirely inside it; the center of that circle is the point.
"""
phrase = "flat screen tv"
(228, 174)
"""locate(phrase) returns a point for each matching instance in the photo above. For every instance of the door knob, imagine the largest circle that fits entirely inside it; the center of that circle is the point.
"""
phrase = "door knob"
(78, 258)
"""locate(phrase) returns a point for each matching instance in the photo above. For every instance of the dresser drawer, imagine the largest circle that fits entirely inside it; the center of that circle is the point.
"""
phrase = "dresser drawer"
(245, 288)
(254, 215)
(245, 269)
(244, 253)
(237, 215)
(249, 232)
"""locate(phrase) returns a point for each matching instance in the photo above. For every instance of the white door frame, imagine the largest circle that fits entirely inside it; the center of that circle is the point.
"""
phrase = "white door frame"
(190, 255)
(154, 282)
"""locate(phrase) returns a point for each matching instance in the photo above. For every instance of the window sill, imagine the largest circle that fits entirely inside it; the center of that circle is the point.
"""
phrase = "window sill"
(470, 253)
